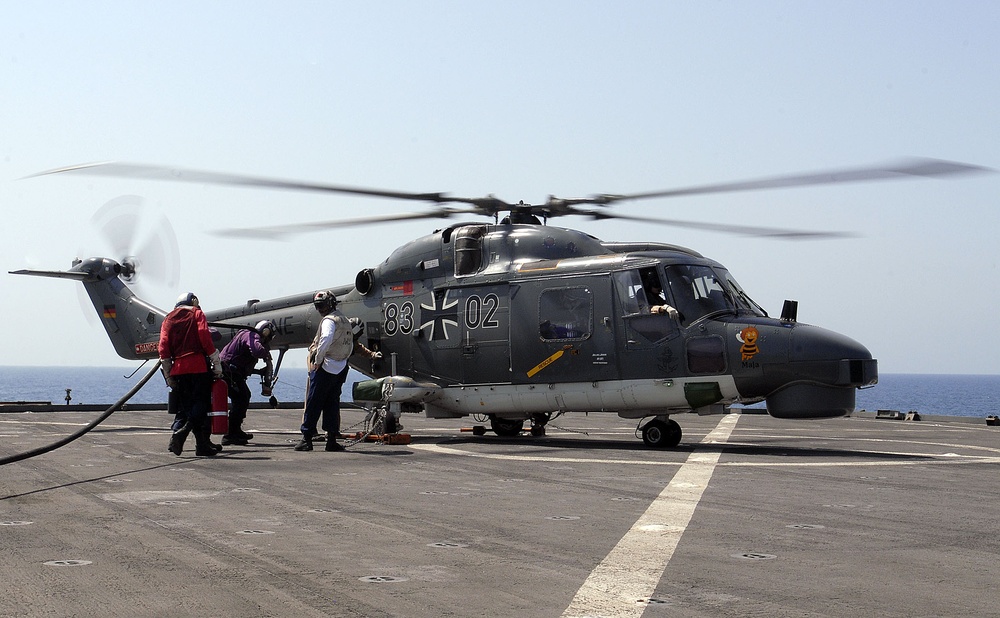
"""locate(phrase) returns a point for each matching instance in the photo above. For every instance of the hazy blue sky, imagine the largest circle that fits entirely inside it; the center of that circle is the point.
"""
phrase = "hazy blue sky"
(520, 99)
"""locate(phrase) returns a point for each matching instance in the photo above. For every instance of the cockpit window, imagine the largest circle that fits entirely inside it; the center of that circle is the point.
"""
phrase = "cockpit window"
(640, 294)
(743, 302)
(629, 287)
(698, 291)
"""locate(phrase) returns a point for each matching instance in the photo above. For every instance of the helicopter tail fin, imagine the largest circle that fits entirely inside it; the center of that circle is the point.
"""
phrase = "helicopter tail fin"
(132, 324)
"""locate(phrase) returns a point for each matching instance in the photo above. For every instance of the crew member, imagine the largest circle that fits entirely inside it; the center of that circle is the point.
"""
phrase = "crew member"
(189, 360)
(331, 347)
(239, 359)
(654, 296)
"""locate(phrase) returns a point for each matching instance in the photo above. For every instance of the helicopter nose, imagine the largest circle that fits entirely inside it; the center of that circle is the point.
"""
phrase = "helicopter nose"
(822, 376)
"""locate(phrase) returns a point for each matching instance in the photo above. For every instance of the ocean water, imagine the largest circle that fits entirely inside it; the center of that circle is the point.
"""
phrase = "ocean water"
(947, 395)
(950, 395)
(105, 385)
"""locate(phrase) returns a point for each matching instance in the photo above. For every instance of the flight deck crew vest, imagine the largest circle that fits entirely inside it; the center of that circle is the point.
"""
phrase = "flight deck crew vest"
(343, 339)
(179, 340)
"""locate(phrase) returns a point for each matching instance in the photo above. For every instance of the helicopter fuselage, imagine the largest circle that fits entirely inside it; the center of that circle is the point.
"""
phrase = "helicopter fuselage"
(520, 319)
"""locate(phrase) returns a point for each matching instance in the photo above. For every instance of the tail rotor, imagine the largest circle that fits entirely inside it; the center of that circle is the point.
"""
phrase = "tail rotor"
(146, 247)
(143, 243)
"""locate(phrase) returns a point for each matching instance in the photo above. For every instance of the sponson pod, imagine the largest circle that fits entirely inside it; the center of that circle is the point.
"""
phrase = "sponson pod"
(395, 389)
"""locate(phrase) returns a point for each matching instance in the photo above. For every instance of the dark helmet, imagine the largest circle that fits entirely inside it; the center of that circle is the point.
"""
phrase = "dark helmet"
(266, 329)
(187, 299)
(325, 301)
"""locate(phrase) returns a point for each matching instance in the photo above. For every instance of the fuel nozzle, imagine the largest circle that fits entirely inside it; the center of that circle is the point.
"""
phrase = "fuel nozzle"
(266, 384)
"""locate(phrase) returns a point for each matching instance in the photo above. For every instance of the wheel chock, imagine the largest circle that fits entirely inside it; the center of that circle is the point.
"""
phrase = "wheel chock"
(477, 430)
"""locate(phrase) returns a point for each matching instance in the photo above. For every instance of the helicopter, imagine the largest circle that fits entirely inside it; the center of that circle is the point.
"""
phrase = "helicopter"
(520, 321)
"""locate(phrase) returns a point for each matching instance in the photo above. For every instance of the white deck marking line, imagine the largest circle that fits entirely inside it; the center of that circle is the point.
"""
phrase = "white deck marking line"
(920, 459)
(437, 448)
(628, 575)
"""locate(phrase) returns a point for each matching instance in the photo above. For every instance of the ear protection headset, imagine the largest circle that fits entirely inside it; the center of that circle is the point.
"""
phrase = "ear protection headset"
(266, 329)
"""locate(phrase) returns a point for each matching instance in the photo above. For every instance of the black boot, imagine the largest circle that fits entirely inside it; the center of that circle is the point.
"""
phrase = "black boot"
(306, 444)
(236, 439)
(177, 440)
(203, 444)
(235, 435)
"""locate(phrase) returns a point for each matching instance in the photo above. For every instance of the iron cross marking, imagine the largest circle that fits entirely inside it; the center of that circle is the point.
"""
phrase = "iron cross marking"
(439, 315)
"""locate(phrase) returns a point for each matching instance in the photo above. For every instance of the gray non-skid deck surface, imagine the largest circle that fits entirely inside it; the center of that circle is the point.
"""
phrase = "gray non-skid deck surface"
(843, 517)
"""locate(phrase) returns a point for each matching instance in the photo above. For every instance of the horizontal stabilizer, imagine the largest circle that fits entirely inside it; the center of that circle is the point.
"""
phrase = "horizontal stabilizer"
(58, 274)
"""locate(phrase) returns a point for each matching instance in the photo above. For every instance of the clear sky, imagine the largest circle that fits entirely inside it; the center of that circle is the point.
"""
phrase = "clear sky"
(523, 100)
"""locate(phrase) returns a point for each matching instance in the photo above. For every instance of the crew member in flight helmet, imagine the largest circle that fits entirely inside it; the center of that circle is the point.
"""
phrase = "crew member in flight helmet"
(332, 346)
(189, 360)
(239, 359)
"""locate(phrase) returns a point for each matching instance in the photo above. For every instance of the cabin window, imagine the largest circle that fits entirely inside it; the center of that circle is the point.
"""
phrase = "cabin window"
(565, 313)
(469, 249)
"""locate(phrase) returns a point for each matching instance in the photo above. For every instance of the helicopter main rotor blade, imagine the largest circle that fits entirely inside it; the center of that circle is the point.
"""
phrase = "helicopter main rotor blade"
(927, 168)
(491, 205)
(283, 232)
(488, 205)
(743, 230)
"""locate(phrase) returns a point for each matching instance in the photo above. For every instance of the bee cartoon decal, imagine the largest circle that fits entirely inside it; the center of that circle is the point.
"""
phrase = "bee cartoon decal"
(748, 337)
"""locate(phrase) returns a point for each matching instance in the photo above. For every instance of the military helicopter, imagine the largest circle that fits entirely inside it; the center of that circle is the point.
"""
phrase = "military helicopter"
(521, 321)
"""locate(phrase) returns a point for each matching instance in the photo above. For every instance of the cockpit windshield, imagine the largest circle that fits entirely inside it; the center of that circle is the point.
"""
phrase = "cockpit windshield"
(699, 291)
(744, 304)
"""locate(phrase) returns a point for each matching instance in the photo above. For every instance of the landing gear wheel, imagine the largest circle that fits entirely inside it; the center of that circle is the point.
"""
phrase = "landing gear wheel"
(538, 422)
(505, 427)
(661, 434)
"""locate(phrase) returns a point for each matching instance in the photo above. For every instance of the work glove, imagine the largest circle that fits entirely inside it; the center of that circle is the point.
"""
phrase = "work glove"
(216, 364)
(667, 309)
(357, 327)
(165, 365)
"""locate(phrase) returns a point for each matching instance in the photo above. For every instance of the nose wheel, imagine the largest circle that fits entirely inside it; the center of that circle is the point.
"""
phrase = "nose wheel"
(661, 433)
